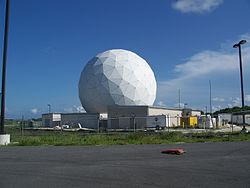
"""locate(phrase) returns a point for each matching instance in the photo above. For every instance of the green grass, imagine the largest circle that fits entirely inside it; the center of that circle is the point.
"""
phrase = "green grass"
(58, 138)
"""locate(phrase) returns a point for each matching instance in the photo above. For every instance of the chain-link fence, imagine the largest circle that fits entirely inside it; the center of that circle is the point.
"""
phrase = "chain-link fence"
(141, 123)
(240, 118)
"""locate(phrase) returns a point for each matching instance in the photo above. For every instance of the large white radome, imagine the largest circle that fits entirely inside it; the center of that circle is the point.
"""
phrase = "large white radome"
(116, 77)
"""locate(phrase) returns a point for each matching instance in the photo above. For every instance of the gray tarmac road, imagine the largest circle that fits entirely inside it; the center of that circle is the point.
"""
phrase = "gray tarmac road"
(204, 165)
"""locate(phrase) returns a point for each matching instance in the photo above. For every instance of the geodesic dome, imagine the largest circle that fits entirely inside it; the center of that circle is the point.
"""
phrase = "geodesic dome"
(116, 77)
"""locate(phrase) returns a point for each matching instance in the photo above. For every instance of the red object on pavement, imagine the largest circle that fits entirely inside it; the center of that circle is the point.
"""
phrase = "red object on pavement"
(177, 151)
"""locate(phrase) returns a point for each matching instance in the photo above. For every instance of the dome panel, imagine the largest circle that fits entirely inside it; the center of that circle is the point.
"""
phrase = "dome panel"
(116, 77)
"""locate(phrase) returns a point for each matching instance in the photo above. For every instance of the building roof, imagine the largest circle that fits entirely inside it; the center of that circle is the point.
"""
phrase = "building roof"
(156, 107)
(75, 113)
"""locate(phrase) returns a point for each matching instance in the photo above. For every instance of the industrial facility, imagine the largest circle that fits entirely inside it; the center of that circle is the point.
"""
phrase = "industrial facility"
(125, 118)
(117, 88)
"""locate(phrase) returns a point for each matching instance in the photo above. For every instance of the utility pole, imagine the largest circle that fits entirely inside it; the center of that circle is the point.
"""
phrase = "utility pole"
(210, 98)
(6, 30)
(179, 98)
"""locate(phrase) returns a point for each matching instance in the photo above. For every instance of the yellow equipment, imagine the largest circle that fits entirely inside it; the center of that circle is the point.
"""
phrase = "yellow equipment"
(190, 122)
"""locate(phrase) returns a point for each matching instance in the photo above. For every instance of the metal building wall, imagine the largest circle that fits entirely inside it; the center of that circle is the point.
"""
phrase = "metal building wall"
(51, 120)
(129, 117)
(173, 114)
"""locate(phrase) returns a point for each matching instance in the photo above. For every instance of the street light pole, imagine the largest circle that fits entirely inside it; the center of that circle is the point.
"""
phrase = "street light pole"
(49, 108)
(4, 67)
(238, 45)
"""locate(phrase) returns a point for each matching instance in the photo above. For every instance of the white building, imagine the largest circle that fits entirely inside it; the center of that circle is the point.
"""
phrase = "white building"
(51, 120)
(86, 120)
(126, 117)
(119, 117)
(236, 117)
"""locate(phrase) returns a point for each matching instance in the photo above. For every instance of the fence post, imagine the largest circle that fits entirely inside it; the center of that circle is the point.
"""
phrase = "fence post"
(232, 122)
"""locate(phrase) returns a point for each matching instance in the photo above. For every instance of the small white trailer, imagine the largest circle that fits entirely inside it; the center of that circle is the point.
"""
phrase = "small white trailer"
(158, 122)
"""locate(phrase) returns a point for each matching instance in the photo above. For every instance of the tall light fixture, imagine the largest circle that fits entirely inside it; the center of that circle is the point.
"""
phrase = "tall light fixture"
(238, 45)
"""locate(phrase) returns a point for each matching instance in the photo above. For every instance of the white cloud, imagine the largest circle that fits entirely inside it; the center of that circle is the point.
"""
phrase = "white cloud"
(181, 105)
(235, 101)
(74, 109)
(247, 98)
(192, 77)
(68, 110)
(206, 62)
(161, 103)
(34, 110)
(176, 105)
(218, 99)
(80, 109)
(216, 108)
(196, 6)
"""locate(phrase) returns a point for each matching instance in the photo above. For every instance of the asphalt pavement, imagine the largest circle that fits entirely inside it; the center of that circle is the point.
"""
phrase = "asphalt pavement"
(203, 165)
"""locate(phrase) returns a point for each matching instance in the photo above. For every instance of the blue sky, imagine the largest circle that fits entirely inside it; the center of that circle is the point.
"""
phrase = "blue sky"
(186, 42)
